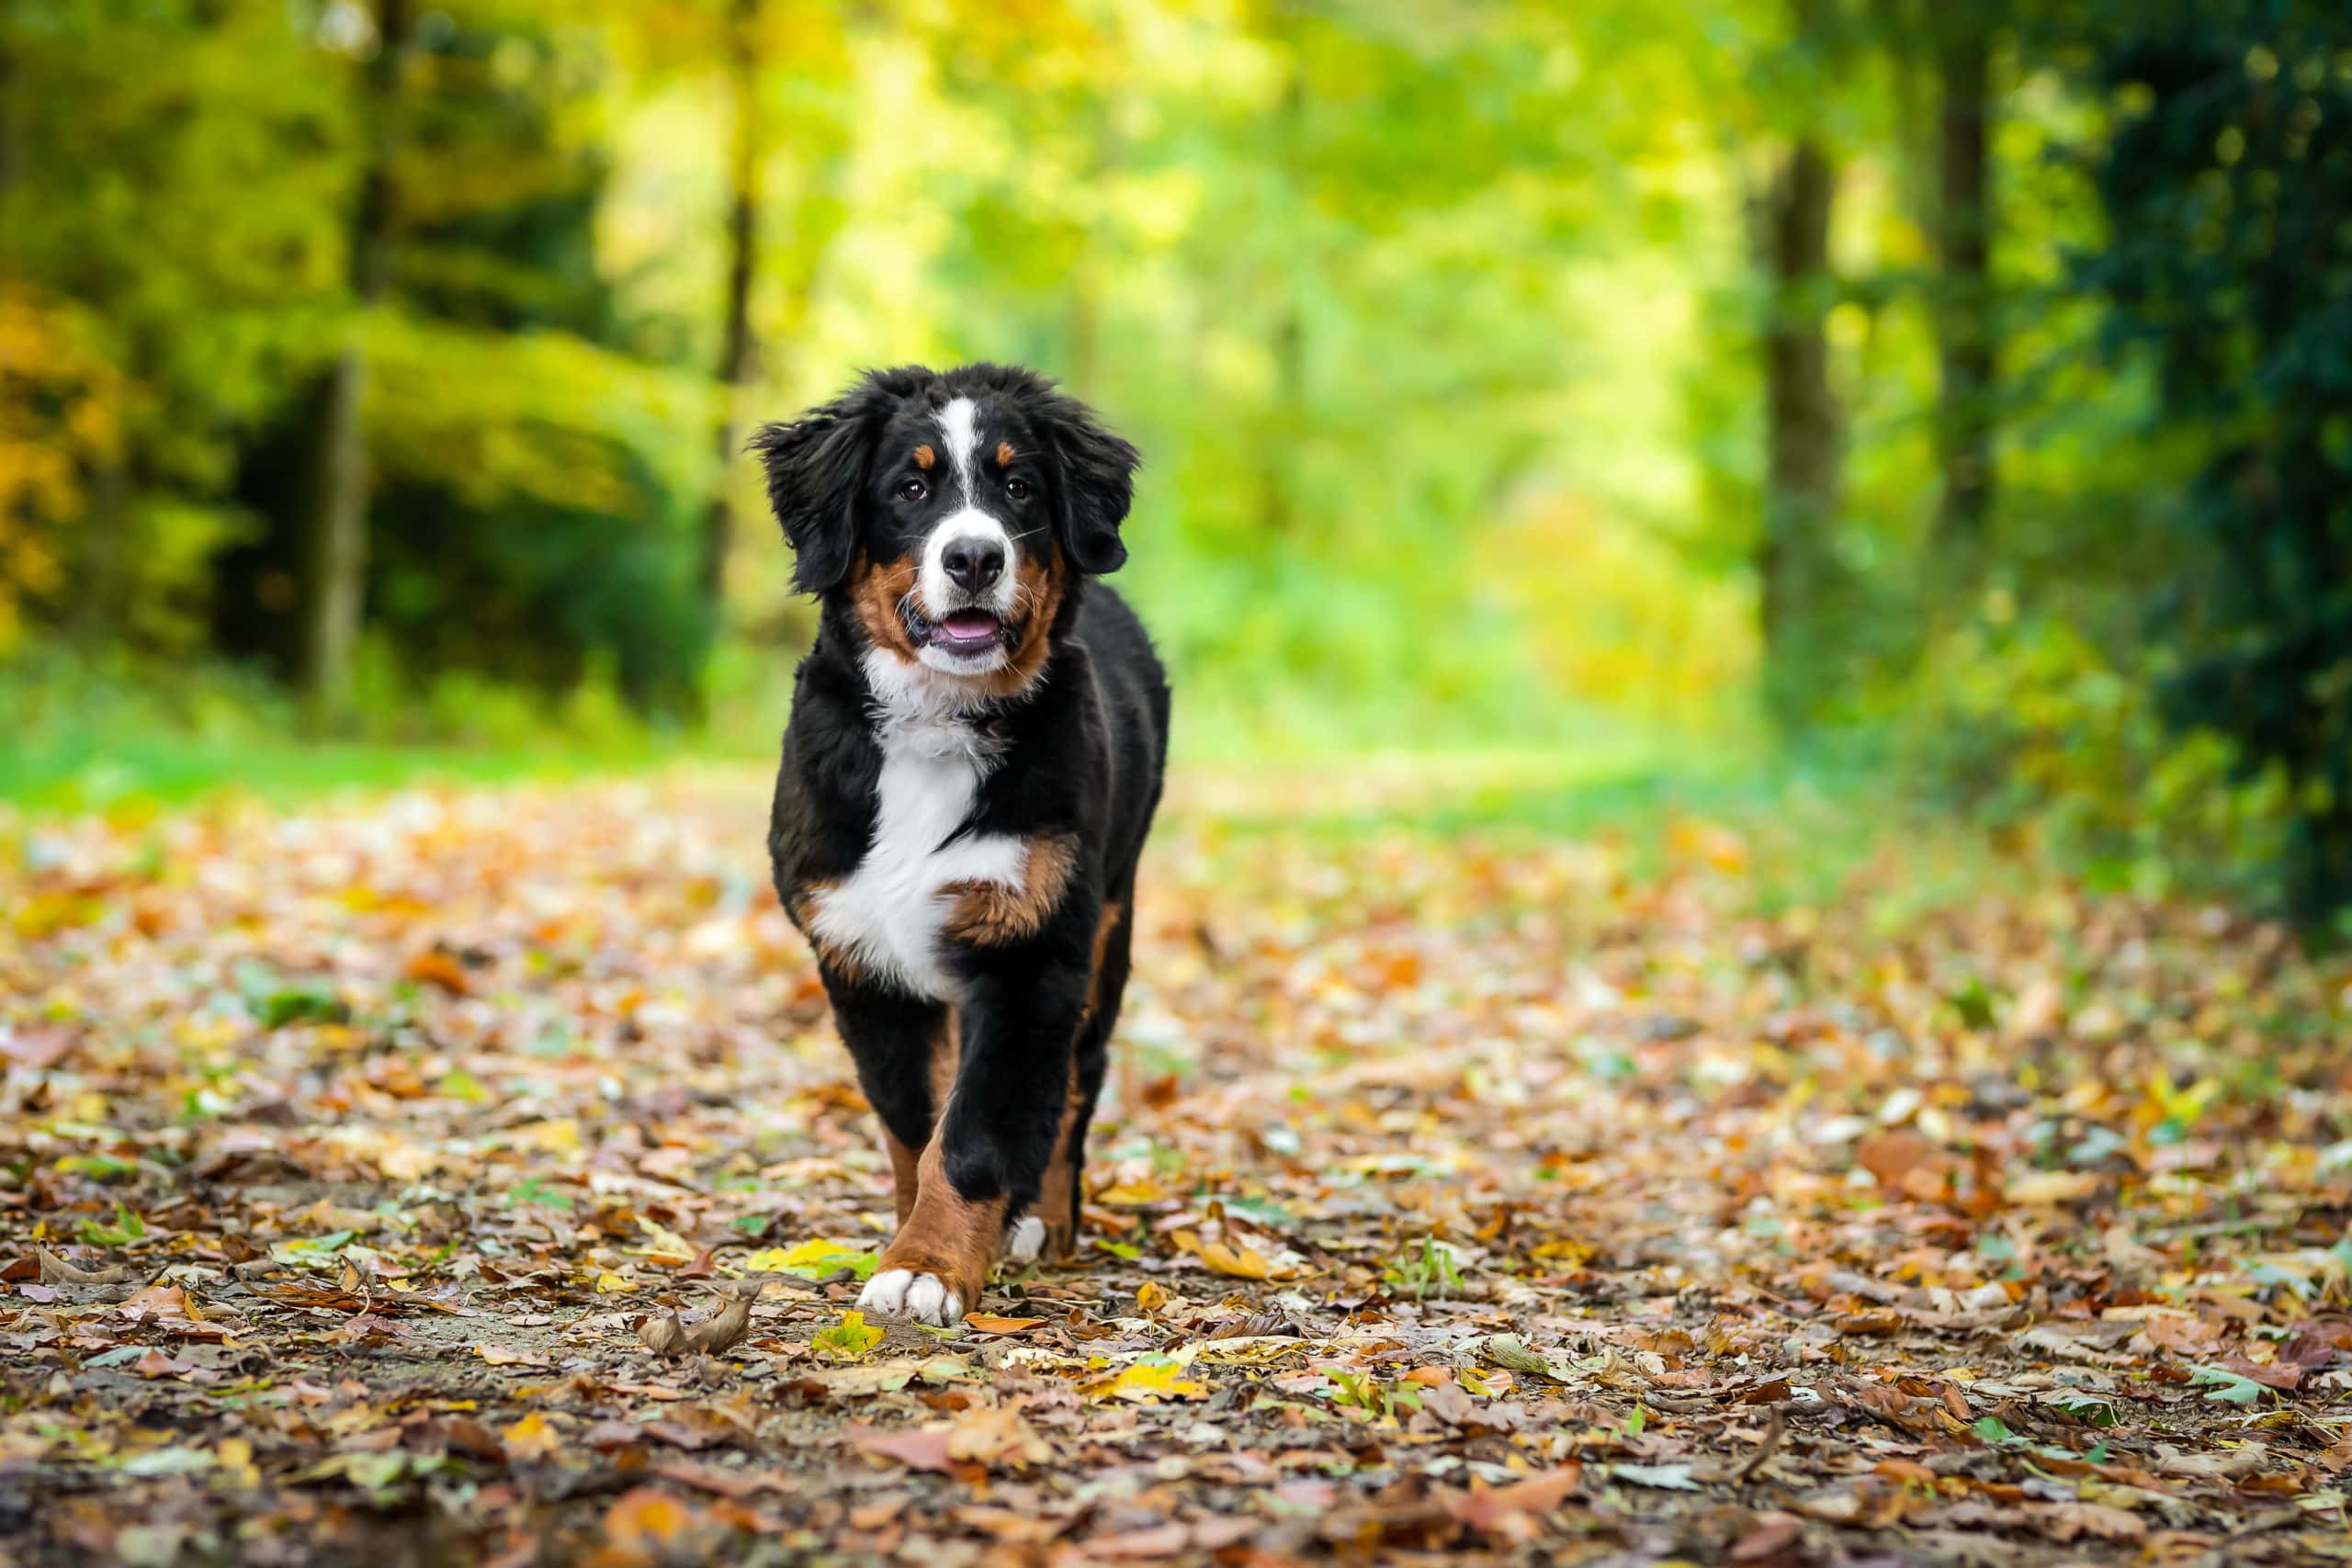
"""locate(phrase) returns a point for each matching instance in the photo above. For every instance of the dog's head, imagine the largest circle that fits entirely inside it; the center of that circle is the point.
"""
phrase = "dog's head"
(951, 513)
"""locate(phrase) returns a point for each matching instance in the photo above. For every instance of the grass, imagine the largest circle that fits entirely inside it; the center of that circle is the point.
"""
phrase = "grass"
(1800, 828)
(109, 773)
(102, 736)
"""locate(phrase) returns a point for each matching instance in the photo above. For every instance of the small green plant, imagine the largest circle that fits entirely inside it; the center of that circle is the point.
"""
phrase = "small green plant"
(1363, 1390)
(1435, 1269)
(533, 1190)
(127, 1228)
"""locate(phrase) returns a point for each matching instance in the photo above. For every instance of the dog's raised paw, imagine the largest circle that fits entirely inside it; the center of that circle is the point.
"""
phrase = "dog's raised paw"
(1025, 1238)
(901, 1292)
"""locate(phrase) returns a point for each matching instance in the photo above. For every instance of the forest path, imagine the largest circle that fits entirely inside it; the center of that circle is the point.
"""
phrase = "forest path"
(1482, 1194)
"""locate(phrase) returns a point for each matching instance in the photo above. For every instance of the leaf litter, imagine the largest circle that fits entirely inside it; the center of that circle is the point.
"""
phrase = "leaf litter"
(476, 1173)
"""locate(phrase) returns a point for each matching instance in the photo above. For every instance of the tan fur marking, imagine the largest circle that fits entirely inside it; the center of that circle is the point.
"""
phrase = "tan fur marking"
(875, 591)
(926, 457)
(1101, 944)
(945, 1232)
(991, 914)
(1056, 1207)
(1005, 454)
(906, 1176)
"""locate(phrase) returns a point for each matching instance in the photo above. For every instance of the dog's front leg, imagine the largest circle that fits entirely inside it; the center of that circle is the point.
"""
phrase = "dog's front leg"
(905, 1050)
(993, 1142)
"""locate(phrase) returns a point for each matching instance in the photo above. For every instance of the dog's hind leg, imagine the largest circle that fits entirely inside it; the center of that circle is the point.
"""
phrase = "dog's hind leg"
(1062, 1195)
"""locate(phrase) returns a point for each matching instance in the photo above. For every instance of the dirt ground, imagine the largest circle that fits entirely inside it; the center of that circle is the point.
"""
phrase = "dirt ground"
(1478, 1197)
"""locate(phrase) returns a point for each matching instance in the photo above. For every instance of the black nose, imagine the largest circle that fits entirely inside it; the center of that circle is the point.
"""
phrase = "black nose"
(975, 564)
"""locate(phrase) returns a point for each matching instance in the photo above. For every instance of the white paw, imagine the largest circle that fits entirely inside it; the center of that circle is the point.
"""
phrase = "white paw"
(1023, 1239)
(900, 1292)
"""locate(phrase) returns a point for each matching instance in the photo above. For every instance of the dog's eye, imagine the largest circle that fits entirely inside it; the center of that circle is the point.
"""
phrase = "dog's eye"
(1017, 489)
(912, 489)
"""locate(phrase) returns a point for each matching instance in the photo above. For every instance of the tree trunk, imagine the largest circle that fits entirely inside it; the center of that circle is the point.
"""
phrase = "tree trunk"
(1965, 344)
(737, 352)
(334, 539)
(1281, 437)
(1801, 424)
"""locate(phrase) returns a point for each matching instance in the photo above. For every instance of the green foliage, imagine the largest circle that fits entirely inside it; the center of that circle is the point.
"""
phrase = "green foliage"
(168, 164)
(2228, 265)
(2032, 727)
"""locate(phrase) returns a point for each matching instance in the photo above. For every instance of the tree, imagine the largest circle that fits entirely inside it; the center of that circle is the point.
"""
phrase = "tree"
(737, 352)
(2227, 186)
(1804, 438)
(1966, 345)
(333, 554)
(1803, 423)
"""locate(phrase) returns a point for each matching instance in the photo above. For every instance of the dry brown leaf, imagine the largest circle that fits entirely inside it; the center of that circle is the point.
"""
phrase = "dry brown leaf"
(55, 1270)
(926, 1448)
(1484, 1508)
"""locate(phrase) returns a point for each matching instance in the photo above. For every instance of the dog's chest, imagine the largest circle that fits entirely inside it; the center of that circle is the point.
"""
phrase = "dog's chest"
(886, 915)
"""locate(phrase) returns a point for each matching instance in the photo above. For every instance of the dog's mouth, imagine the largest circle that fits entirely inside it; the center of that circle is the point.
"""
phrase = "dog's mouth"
(965, 632)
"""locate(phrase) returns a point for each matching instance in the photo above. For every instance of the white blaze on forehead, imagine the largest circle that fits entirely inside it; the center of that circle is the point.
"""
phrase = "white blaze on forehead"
(959, 422)
(960, 429)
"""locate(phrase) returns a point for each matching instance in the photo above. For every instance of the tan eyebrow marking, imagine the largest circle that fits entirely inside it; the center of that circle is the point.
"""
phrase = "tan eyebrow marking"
(926, 457)
(1005, 454)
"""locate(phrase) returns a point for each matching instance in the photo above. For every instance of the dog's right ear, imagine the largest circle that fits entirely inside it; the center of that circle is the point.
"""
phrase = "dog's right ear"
(816, 466)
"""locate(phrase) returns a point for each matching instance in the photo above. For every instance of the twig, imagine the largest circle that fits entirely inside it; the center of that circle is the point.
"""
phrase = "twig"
(1765, 1447)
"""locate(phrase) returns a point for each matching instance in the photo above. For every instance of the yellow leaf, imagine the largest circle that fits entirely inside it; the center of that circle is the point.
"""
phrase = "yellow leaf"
(847, 1340)
(1132, 1194)
(2051, 1186)
(531, 1437)
(812, 1260)
(1150, 1297)
(235, 1459)
(609, 1283)
(1145, 1383)
(1245, 1264)
(647, 1522)
(1573, 1253)
(662, 1243)
(560, 1135)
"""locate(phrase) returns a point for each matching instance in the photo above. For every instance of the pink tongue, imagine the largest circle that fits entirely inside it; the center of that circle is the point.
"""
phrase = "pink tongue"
(969, 623)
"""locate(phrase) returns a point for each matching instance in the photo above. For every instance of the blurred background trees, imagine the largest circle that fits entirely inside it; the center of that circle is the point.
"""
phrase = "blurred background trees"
(1958, 387)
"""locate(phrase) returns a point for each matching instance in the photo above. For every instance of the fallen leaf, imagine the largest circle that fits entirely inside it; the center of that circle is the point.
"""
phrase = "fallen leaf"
(1484, 1508)
(925, 1449)
(531, 1438)
(1150, 1382)
(647, 1520)
(849, 1339)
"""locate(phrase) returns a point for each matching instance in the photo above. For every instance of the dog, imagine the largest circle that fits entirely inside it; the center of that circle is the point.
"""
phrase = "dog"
(973, 759)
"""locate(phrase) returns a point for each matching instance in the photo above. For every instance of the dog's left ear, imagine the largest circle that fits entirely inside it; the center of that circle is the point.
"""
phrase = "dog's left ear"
(1097, 484)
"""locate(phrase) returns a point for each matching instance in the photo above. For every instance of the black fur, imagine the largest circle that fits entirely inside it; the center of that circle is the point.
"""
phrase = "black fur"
(1079, 752)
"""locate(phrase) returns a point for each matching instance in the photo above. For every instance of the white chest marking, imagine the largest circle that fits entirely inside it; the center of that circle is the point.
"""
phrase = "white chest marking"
(887, 915)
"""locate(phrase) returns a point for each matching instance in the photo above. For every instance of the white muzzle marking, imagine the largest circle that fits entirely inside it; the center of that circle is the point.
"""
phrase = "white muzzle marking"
(936, 593)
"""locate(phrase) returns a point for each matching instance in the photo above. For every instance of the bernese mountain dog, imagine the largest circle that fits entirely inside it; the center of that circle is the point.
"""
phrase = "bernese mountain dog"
(972, 762)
